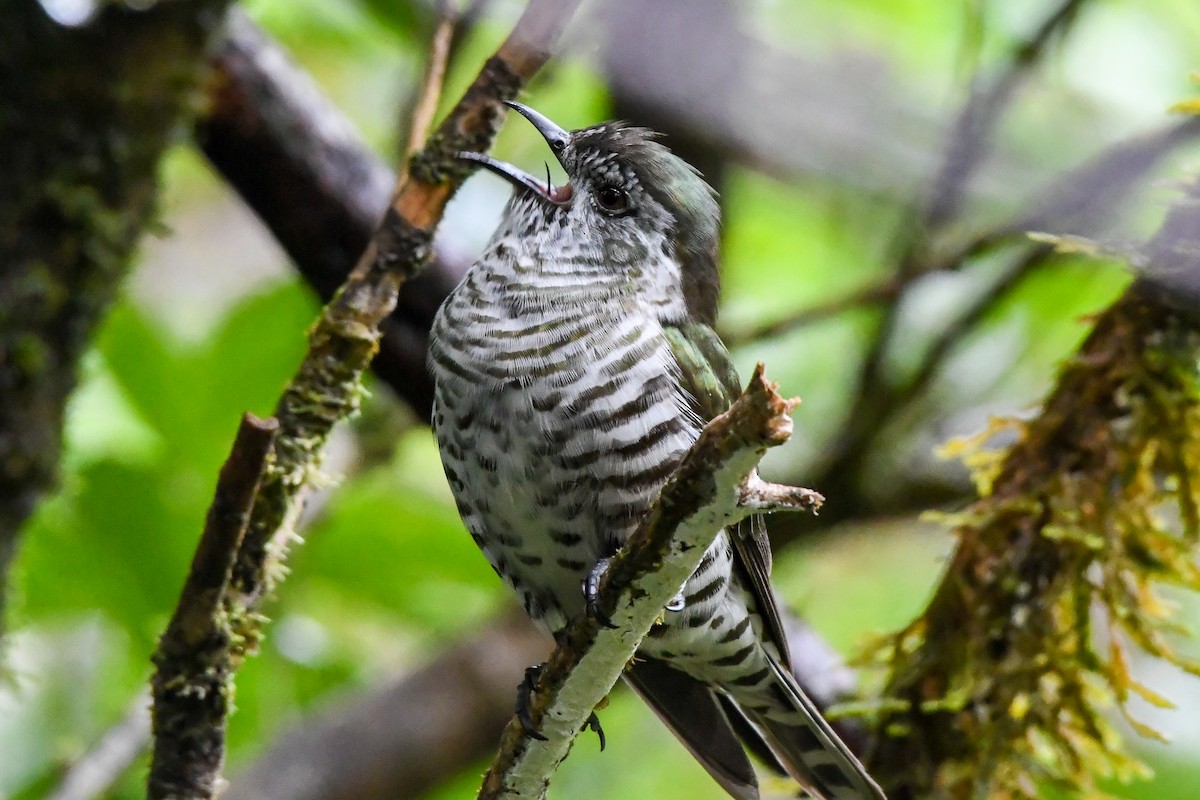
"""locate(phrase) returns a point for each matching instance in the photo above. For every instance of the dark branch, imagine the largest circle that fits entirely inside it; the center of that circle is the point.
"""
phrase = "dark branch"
(194, 657)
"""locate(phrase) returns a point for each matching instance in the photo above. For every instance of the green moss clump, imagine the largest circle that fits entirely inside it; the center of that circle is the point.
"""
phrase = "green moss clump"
(1003, 685)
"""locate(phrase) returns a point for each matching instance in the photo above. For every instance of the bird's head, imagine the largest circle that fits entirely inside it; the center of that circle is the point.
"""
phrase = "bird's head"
(629, 201)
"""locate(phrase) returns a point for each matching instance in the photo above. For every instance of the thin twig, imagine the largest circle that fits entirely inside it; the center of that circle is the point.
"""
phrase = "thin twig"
(764, 497)
(431, 81)
(701, 498)
(193, 656)
(968, 144)
(872, 295)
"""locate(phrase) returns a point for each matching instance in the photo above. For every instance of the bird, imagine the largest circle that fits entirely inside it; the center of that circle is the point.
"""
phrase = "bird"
(574, 365)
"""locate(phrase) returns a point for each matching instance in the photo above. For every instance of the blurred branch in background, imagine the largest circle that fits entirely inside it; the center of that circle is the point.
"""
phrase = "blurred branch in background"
(399, 740)
(402, 739)
(785, 114)
(93, 774)
(88, 114)
(1005, 665)
(1083, 201)
(970, 137)
(963, 155)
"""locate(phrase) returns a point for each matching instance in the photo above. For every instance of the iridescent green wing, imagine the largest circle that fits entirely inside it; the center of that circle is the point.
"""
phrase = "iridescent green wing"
(708, 375)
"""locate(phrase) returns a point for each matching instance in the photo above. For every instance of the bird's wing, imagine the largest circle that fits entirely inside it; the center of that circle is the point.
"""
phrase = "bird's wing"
(708, 375)
(694, 713)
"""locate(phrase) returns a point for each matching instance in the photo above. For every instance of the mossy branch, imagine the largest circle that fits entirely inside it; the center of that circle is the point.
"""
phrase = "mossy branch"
(708, 491)
(193, 659)
(1000, 686)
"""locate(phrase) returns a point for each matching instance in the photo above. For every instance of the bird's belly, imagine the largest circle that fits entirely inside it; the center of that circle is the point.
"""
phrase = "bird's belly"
(554, 461)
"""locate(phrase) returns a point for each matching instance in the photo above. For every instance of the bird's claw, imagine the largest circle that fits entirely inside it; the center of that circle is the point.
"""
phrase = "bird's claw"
(523, 691)
(591, 594)
(593, 724)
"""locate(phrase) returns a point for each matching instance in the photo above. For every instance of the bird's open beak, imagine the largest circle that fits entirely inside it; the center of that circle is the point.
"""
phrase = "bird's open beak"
(555, 136)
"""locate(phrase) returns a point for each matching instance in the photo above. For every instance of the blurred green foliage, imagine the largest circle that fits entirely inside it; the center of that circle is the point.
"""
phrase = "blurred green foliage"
(387, 574)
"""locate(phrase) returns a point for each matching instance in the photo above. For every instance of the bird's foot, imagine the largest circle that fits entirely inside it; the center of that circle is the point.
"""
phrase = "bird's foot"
(591, 595)
(523, 711)
(523, 691)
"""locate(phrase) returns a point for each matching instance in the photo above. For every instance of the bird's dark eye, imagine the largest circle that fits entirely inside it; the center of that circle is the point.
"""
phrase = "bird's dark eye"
(613, 200)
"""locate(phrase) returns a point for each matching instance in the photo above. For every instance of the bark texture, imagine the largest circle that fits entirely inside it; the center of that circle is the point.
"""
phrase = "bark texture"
(85, 115)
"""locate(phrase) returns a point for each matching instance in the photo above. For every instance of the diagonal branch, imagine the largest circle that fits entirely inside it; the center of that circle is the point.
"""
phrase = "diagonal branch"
(702, 497)
(1084, 200)
(193, 663)
(976, 123)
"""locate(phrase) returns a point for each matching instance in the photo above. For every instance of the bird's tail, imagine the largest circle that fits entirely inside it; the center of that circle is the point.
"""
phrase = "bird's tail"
(809, 749)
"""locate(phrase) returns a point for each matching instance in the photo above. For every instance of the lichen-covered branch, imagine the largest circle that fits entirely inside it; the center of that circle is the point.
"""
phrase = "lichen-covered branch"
(193, 659)
(703, 496)
(87, 113)
(1000, 685)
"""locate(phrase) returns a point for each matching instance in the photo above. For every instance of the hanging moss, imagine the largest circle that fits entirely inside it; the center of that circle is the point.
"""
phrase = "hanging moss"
(1004, 683)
